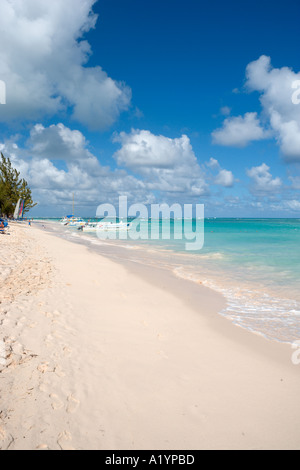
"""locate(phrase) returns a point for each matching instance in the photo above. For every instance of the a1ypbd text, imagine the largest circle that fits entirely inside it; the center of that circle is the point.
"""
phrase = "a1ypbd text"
(172, 459)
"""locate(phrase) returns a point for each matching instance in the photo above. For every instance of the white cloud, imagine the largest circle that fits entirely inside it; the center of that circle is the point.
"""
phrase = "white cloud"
(82, 172)
(280, 116)
(239, 131)
(141, 149)
(276, 88)
(263, 181)
(43, 61)
(295, 182)
(225, 110)
(288, 136)
(293, 205)
(56, 161)
(165, 164)
(57, 142)
(213, 163)
(225, 178)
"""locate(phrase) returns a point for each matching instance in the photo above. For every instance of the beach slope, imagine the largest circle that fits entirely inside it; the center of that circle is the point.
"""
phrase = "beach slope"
(101, 355)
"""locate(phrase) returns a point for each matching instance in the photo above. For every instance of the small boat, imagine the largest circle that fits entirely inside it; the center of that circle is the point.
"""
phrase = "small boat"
(72, 221)
(65, 220)
(77, 222)
(104, 226)
(89, 227)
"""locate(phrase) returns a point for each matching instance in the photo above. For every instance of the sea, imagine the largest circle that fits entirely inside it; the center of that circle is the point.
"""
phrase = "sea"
(254, 263)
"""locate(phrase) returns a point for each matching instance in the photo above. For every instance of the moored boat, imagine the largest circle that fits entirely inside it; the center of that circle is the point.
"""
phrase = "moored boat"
(104, 226)
(72, 221)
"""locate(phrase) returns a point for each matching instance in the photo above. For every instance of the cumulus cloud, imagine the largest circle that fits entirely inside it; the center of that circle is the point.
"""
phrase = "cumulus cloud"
(213, 163)
(43, 59)
(165, 164)
(280, 113)
(239, 131)
(288, 136)
(263, 181)
(225, 178)
(57, 161)
(277, 88)
(83, 174)
(141, 150)
(57, 142)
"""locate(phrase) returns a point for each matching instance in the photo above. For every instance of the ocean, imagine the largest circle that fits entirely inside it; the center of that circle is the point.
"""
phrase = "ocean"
(254, 263)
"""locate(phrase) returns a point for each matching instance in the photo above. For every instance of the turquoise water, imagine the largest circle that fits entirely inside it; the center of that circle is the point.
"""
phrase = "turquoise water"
(254, 263)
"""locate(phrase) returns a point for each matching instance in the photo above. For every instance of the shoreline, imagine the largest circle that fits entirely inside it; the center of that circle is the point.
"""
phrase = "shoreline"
(239, 299)
(125, 356)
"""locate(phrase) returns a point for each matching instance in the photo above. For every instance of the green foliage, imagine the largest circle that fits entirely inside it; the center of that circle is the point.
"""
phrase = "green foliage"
(12, 188)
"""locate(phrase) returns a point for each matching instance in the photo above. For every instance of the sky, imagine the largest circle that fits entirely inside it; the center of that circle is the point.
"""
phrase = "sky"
(165, 101)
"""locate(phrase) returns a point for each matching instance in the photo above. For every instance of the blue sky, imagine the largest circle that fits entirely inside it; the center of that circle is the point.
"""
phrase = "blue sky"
(162, 101)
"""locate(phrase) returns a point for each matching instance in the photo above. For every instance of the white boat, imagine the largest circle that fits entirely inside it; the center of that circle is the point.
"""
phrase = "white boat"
(104, 226)
(89, 227)
(71, 221)
(65, 220)
(77, 222)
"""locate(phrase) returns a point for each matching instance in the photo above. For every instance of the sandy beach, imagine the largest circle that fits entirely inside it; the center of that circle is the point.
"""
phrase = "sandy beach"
(103, 355)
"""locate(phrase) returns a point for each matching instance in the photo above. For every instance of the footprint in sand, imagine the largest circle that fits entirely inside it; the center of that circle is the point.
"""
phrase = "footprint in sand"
(42, 447)
(56, 404)
(48, 341)
(21, 321)
(43, 388)
(67, 351)
(29, 424)
(73, 404)
(56, 335)
(2, 434)
(59, 372)
(44, 367)
(18, 348)
(47, 314)
(64, 441)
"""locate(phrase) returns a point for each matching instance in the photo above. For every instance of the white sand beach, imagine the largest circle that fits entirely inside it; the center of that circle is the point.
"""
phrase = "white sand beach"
(102, 356)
